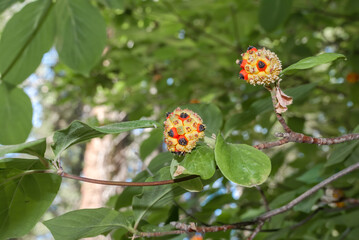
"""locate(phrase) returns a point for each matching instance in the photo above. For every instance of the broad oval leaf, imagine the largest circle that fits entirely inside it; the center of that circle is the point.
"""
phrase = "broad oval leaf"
(193, 185)
(273, 13)
(81, 34)
(15, 114)
(242, 164)
(24, 197)
(27, 36)
(79, 132)
(83, 223)
(199, 162)
(36, 148)
(310, 62)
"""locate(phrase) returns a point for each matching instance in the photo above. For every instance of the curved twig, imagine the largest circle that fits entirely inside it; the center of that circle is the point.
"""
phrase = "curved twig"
(126, 184)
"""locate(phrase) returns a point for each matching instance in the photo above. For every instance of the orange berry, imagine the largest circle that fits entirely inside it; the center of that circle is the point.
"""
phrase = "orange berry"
(353, 77)
(197, 237)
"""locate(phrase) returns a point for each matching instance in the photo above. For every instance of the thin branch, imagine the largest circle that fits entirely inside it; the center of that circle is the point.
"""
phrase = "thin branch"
(185, 228)
(308, 193)
(307, 219)
(159, 234)
(256, 230)
(283, 123)
(190, 215)
(203, 229)
(265, 201)
(301, 138)
(279, 116)
(267, 145)
(126, 184)
(291, 136)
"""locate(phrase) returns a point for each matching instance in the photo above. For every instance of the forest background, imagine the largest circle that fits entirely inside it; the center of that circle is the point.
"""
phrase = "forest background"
(108, 61)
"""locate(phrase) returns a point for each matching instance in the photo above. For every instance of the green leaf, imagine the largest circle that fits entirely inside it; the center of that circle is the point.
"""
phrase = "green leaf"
(310, 62)
(342, 151)
(307, 205)
(313, 175)
(262, 106)
(86, 223)
(193, 185)
(273, 13)
(79, 132)
(151, 143)
(115, 4)
(154, 197)
(24, 197)
(349, 219)
(199, 162)
(210, 114)
(4, 4)
(36, 148)
(15, 114)
(242, 164)
(26, 37)
(160, 161)
(283, 199)
(81, 34)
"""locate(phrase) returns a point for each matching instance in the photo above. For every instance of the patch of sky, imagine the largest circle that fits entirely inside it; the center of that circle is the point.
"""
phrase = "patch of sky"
(245, 135)
(259, 129)
(182, 34)
(342, 130)
(217, 212)
(137, 132)
(46, 73)
(329, 49)
(170, 81)
(236, 192)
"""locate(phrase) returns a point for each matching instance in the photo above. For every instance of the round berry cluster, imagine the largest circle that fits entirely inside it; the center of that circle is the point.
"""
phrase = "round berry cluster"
(260, 67)
(183, 128)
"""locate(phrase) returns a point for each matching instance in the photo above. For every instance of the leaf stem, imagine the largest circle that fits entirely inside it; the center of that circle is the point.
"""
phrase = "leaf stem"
(126, 184)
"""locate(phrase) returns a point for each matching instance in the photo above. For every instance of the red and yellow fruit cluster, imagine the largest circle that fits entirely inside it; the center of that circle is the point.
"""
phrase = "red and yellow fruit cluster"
(183, 128)
(260, 67)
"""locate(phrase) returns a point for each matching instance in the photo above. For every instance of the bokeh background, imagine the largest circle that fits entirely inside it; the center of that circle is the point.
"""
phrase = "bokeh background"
(159, 54)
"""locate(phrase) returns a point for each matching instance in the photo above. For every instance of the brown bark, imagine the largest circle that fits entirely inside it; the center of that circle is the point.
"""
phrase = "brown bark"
(104, 158)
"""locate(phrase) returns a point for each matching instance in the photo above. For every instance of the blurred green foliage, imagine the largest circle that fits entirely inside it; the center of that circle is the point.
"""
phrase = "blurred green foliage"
(162, 54)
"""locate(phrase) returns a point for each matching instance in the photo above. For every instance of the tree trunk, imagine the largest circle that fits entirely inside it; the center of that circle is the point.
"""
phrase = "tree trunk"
(104, 158)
